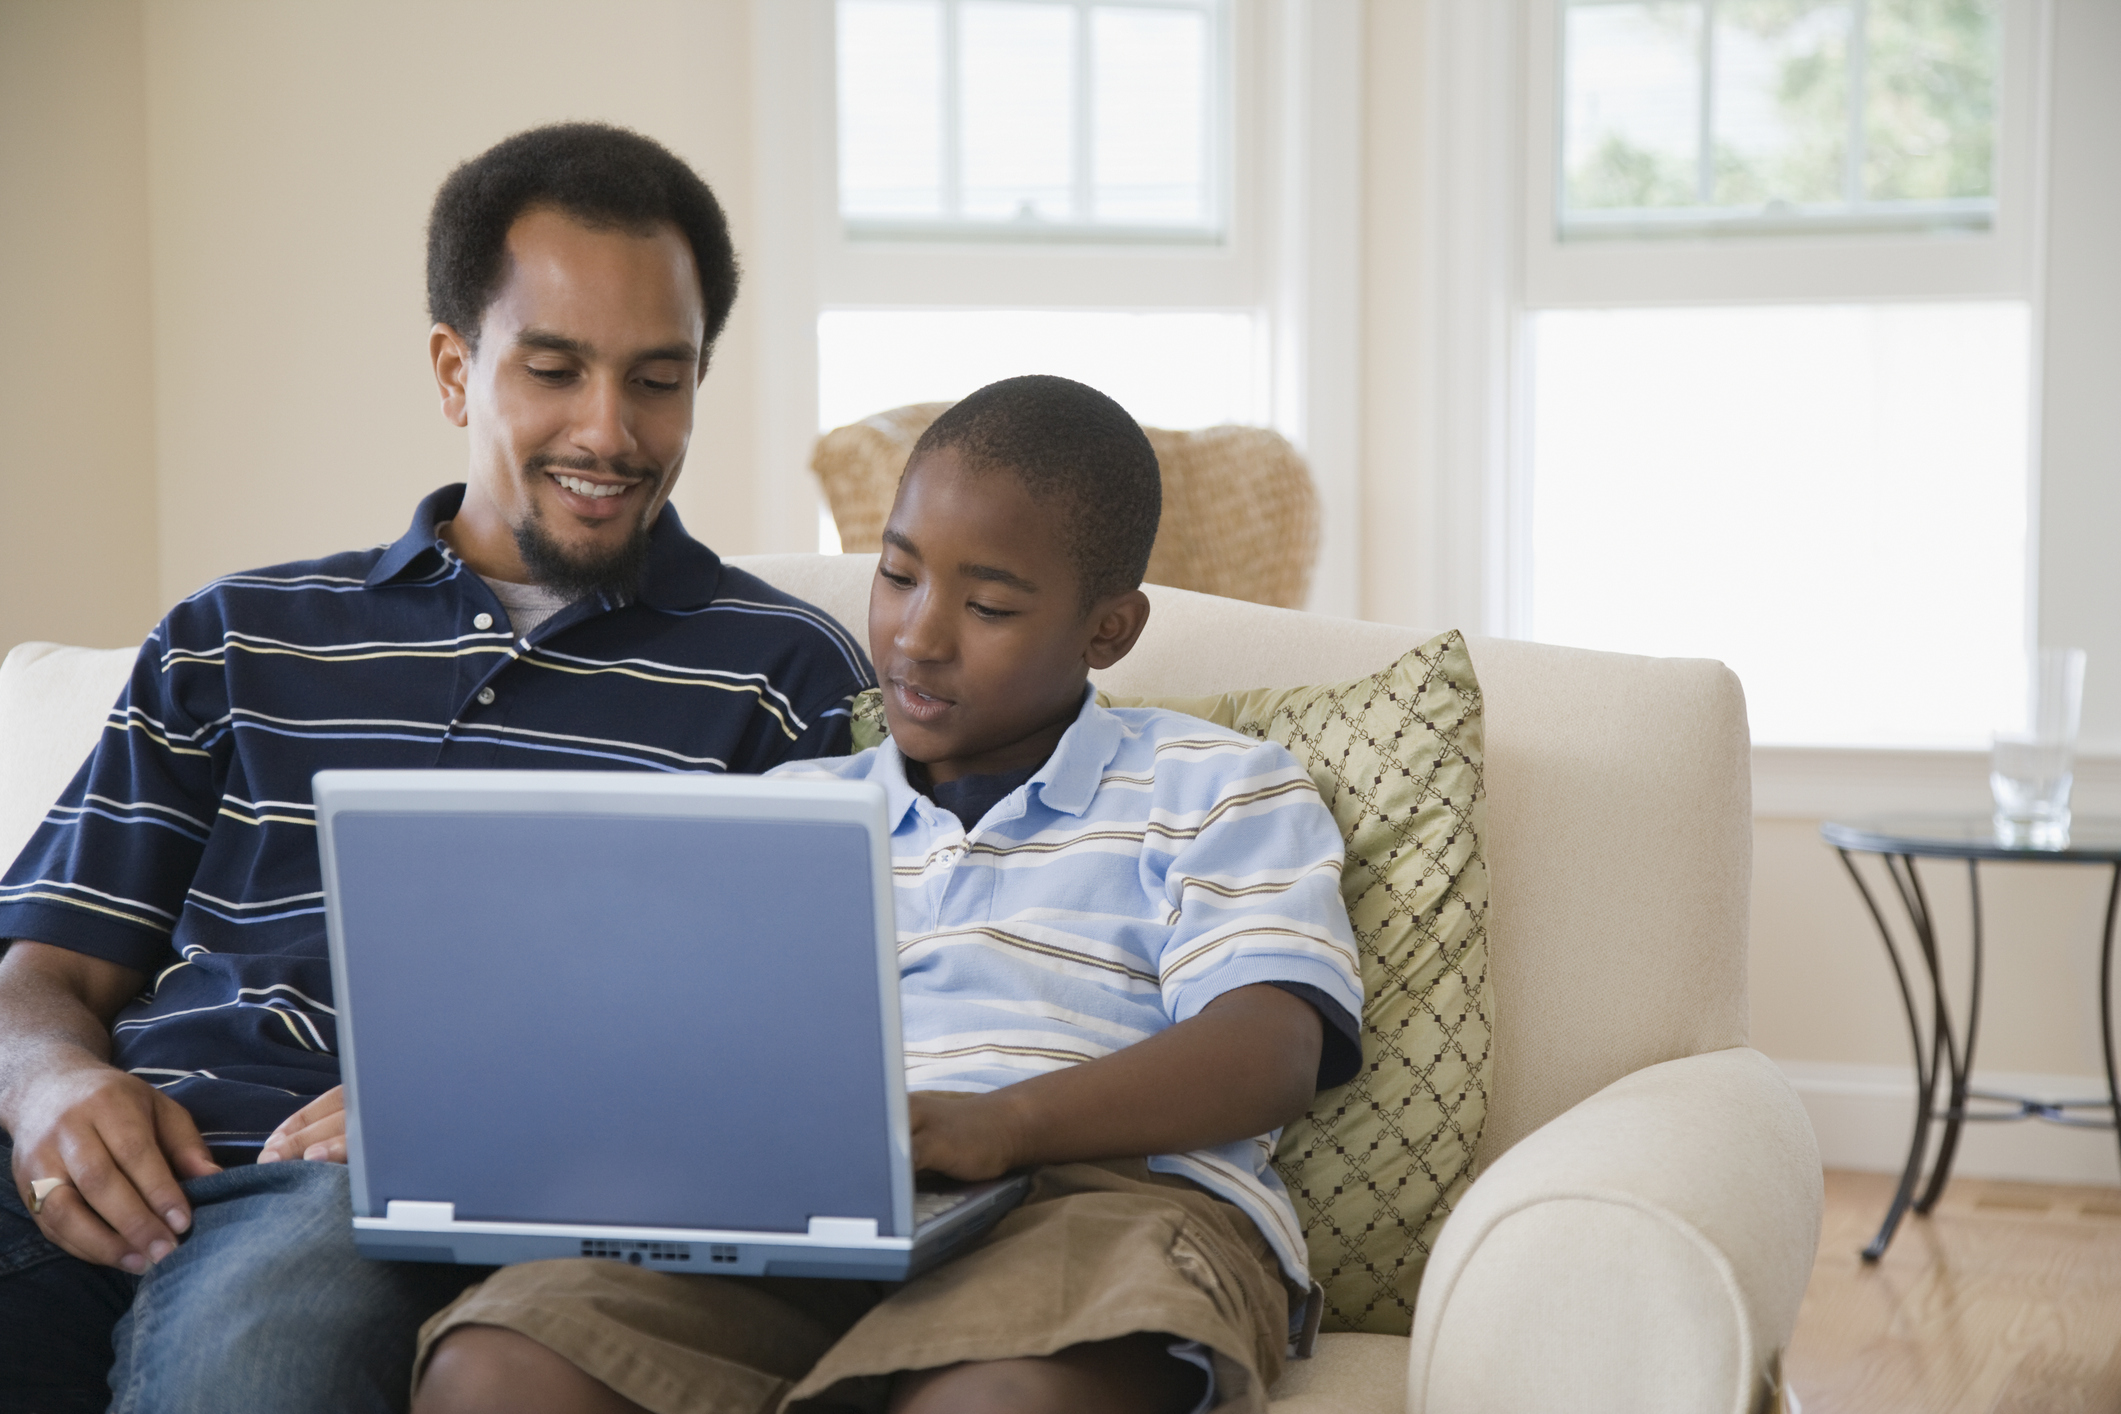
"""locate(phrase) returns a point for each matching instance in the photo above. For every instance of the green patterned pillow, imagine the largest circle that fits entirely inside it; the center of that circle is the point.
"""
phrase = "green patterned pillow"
(1376, 1165)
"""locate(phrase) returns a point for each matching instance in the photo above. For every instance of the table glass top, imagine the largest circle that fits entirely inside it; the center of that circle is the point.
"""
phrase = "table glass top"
(2091, 839)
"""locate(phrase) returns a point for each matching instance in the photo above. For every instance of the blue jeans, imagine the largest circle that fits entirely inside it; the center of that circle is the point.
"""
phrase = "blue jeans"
(263, 1306)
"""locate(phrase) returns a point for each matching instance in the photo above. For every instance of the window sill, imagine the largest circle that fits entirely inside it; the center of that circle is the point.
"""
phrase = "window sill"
(1825, 783)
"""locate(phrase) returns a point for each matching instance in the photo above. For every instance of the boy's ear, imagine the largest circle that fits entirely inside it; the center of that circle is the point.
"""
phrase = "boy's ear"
(1118, 621)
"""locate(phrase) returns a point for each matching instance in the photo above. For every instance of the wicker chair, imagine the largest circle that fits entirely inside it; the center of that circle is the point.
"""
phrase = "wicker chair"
(1240, 513)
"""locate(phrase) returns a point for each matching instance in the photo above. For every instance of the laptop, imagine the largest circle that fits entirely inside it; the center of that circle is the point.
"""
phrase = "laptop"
(650, 1018)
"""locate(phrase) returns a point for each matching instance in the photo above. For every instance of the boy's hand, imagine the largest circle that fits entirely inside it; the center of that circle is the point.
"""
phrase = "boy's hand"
(967, 1137)
(317, 1131)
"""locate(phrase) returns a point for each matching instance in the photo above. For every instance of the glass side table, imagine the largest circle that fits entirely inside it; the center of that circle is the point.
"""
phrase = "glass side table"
(1942, 1059)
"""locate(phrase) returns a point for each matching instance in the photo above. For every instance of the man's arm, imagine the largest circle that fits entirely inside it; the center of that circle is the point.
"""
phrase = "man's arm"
(119, 1143)
(1245, 1065)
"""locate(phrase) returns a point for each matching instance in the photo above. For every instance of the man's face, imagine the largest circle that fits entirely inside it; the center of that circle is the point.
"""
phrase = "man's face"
(976, 622)
(578, 400)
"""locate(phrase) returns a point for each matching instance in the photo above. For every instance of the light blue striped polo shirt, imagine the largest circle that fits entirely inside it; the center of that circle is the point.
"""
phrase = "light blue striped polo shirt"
(1153, 863)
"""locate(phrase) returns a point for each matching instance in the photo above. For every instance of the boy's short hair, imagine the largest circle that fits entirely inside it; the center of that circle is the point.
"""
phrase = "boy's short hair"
(604, 177)
(1072, 447)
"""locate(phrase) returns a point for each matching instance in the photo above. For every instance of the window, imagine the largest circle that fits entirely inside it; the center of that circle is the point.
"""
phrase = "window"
(986, 128)
(1152, 196)
(1168, 368)
(1773, 352)
(1830, 499)
(1047, 119)
(1764, 115)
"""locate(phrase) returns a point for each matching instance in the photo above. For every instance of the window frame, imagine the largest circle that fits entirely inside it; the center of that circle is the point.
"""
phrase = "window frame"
(1290, 258)
(1852, 213)
(1549, 272)
(1219, 157)
(1823, 262)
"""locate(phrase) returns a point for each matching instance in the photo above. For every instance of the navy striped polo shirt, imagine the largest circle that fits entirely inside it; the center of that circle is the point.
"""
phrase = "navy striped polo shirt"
(186, 846)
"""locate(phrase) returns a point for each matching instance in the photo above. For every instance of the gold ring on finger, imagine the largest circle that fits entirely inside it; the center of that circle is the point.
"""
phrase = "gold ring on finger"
(41, 1189)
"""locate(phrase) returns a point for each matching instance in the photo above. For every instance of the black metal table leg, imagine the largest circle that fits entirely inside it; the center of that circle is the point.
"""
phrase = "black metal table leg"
(2106, 1000)
(1963, 1066)
(1944, 1049)
(1924, 1072)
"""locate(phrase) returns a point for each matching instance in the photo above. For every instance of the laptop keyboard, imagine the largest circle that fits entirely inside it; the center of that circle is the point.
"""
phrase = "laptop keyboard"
(929, 1206)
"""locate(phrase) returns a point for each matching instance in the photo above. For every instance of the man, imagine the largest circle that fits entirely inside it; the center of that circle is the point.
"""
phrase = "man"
(165, 1006)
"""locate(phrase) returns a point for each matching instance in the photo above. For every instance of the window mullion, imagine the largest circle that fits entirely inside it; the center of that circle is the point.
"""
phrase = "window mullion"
(1705, 154)
(1085, 120)
(1858, 63)
(953, 123)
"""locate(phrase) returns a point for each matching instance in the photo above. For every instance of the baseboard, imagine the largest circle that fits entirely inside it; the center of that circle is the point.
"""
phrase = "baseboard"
(1863, 1115)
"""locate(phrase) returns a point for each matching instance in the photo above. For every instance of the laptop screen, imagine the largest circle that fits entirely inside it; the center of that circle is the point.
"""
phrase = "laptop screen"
(654, 1020)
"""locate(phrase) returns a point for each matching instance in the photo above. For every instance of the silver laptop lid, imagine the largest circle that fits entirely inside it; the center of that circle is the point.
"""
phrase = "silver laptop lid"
(618, 998)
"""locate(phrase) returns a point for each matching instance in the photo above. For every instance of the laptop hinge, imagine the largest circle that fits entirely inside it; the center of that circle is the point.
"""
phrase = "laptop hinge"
(400, 1212)
(844, 1229)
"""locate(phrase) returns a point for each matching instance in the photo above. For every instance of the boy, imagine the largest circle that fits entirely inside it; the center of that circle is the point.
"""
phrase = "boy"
(1121, 936)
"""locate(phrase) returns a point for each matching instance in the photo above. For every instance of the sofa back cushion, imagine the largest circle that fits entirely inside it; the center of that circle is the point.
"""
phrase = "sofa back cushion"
(53, 703)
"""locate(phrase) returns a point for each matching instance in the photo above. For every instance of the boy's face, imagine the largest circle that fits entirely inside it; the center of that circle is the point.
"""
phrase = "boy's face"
(976, 622)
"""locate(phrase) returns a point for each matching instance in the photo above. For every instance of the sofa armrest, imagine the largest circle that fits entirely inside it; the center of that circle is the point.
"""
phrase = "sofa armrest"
(1646, 1251)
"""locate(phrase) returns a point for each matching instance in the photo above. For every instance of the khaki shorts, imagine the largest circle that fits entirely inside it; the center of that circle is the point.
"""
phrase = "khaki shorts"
(1095, 1252)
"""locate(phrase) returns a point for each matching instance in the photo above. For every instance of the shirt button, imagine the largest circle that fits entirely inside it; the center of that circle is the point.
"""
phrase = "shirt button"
(482, 621)
(486, 697)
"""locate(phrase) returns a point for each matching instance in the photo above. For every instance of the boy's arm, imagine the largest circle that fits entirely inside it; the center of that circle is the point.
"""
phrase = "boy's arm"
(1245, 1065)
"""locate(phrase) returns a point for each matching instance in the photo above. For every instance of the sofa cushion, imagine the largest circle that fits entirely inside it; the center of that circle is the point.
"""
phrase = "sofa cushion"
(1376, 1164)
(54, 702)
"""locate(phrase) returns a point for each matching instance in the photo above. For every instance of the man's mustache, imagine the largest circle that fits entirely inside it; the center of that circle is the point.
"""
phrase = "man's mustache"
(550, 461)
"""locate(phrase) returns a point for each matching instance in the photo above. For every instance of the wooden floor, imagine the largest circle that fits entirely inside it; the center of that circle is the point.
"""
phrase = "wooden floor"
(2005, 1300)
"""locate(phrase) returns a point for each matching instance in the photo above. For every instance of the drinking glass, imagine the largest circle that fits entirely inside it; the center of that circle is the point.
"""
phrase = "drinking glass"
(2033, 760)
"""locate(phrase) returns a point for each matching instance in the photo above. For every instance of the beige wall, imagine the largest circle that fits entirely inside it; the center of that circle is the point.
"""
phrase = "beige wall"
(1394, 497)
(77, 493)
(1824, 991)
(292, 155)
(271, 165)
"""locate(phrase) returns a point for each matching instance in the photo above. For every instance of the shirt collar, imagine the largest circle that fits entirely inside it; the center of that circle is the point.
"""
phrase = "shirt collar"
(1067, 782)
(681, 573)
(1070, 778)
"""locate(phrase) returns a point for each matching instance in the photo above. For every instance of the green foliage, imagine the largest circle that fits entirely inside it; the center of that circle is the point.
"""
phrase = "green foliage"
(1930, 99)
(1812, 92)
(1621, 176)
(1929, 110)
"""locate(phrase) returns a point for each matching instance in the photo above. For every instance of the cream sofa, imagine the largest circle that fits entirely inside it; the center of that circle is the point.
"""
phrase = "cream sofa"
(1648, 1206)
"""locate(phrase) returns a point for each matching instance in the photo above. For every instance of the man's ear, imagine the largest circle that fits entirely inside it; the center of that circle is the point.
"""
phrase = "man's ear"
(452, 363)
(1119, 622)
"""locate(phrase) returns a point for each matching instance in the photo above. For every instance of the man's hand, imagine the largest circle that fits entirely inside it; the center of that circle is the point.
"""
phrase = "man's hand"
(970, 1137)
(317, 1132)
(120, 1144)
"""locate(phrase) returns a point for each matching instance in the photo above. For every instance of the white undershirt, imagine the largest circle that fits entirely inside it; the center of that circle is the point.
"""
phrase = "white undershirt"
(527, 605)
